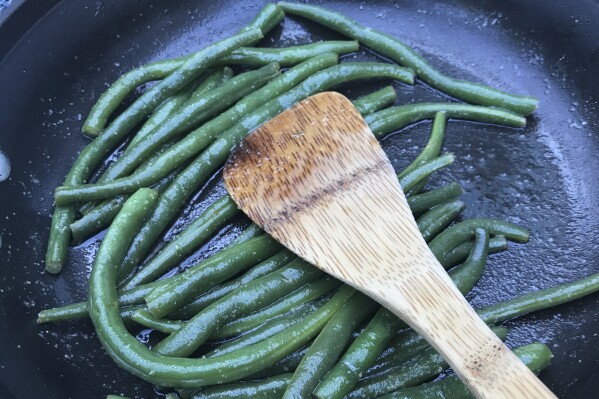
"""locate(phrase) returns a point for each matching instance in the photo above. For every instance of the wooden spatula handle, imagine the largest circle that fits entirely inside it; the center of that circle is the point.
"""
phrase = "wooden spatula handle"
(441, 314)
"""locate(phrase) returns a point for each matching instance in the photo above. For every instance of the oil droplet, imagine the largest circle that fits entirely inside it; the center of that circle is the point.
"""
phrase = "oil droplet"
(4, 166)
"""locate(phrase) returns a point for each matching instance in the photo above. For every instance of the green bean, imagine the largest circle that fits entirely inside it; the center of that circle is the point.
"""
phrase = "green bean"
(265, 330)
(106, 212)
(463, 231)
(287, 364)
(399, 52)
(273, 263)
(102, 215)
(359, 356)
(269, 388)
(466, 275)
(136, 295)
(434, 144)
(256, 295)
(182, 288)
(288, 56)
(74, 311)
(421, 172)
(212, 81)
(167, 108)
(96, 120)
(436, 219)
(268, 17)
(391, 119)
(539, 300)
(91, 155)
(216, 154)
(376, 101)
(251, 56)
(146, 319)
(134, 357)
(421, 368)
(367, 347)
(200, 230)
(252, 231)
(535, 356)
(307, 293)
(422, 202)
(212, 101)
(328, 345)
(460, 253)
(432, 148)
(204, 135)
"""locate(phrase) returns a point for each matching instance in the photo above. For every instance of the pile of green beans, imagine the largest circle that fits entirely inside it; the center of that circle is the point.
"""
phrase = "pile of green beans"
(266, 323)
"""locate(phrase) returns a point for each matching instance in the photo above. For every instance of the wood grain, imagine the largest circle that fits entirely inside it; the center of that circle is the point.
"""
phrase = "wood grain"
(317, 180)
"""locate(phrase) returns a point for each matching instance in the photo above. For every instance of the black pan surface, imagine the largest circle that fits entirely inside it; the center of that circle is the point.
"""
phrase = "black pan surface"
(543, 177)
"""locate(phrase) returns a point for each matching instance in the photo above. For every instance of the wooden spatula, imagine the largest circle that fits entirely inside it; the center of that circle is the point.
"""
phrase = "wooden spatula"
(317, 180)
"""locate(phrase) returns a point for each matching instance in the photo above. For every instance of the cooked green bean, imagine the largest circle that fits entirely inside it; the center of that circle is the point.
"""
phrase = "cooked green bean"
(464, 231)
(287, 364)
(136, 358)
(93, 154)
(328, 346)
(367, 347)
(147, 319)
(424, 170)
(102, 215)
(387, 120)
(215, 100)
(436, 219)
(269, 388)
(467, 274)
(539, 300)
(431, 150)
(96, 120)
(197, 140)
(263, 268)
(460, 253)
(200, 230)
(254, 296)
(425, 201)
(535, 356)
(266, 19)
(265, 330)
(307, 293)
(136, 295)
(252, 231)
(419, 369)
(376, 101)
(212, 81)
(288, 56)
(215, 155)
(182, 288)
(167, 108)
(434, 144)
(399, 52)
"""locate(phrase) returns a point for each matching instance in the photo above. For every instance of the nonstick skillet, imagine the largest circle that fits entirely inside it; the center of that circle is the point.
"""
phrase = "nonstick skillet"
(57, 57)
